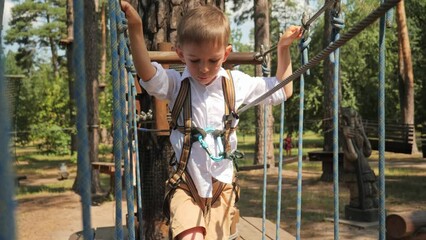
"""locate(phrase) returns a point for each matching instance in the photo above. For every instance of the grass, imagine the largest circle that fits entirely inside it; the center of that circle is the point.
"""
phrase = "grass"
(42, 171)
(246, 144)
(405, 183)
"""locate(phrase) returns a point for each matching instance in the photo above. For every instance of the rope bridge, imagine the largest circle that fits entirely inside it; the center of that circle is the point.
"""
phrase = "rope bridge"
(125, 129)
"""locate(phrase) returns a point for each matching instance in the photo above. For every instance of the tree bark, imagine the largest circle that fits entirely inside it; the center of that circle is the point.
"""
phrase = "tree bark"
(69, 53)
(262, 38)
(91, 37)
(328, 88)
(406, 77)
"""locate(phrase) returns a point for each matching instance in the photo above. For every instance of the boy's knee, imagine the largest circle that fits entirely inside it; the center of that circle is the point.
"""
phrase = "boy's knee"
(196, 233)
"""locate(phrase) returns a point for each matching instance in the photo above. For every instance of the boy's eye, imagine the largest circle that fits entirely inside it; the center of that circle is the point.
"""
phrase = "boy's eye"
(214, 60)
(194, 60)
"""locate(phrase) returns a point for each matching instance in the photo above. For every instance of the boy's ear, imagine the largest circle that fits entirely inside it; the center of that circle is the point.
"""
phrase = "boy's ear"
(228, 51)
(180, 54)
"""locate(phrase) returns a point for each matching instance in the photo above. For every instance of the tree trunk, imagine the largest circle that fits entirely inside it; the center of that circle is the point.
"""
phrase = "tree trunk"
(54, 53)
(103, 45)
(261, 26)
(406, 78)
(69, 53)
(328, 88)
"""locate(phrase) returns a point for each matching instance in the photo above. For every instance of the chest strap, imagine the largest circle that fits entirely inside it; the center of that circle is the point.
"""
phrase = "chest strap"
(183, 99)
(183, 103)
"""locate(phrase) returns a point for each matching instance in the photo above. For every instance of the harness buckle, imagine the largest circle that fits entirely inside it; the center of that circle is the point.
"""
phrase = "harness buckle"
(174, 183)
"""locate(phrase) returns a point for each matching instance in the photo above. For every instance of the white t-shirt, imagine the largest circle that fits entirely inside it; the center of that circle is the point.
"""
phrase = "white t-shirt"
(208, 109)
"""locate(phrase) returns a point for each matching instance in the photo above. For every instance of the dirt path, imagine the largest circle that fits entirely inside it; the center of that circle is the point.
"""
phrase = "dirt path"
(58, 216)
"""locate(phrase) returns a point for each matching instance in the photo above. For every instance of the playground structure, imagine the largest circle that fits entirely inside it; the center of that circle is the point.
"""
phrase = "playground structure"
(120, 55)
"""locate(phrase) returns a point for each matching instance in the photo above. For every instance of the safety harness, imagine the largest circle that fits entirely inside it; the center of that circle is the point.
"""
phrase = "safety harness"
(193, 134)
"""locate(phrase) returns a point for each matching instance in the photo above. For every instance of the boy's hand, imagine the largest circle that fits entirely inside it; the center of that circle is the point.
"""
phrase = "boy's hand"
(292, 33)
(132, 15)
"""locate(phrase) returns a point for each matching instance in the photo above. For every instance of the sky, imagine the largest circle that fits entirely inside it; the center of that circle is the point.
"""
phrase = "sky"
(6, 18)
(6, 15)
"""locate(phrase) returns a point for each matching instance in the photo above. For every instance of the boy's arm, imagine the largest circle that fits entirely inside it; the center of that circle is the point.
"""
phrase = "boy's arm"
(284, 68)
(140, 55)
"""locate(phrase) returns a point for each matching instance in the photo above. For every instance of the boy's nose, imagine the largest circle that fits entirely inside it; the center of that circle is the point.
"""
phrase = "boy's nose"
(203, 68)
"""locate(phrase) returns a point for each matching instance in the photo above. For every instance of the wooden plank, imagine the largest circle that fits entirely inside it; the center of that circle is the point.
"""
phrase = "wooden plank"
(247, 231)
(105, 167)
(253, 224)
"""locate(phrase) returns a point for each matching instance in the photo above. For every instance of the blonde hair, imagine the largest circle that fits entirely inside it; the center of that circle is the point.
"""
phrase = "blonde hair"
(203, 24)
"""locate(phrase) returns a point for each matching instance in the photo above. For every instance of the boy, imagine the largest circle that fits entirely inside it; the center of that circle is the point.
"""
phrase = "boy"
(202, 45)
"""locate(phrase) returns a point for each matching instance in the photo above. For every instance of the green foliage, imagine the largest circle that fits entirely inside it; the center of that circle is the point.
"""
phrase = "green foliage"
(52, 139)
(36, 24)
(416, 18)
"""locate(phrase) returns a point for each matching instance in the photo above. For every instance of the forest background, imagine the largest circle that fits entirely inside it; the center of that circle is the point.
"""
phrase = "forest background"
(40, 91)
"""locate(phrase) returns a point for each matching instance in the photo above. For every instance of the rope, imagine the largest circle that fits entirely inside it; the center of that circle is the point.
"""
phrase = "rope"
(133, 134)
(117, 144)
(265, 169)
(367, 21)
(280, 168)
(306, 23)
(123, 51)
(300, 154)
(83, 164)
(381, 120)
(266, 72)
(337, 23)
(7, 203)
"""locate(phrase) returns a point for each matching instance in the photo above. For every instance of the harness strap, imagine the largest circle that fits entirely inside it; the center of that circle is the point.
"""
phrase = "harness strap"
(184, 97)
(183, 101)
(177, 107)
(229, 94)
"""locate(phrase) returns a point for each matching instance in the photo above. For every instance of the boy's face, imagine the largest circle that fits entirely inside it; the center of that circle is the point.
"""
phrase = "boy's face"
(203, 59)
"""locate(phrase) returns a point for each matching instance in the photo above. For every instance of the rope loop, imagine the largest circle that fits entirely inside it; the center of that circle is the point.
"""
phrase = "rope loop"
(265, 66)
(337, 20)
(304, 46)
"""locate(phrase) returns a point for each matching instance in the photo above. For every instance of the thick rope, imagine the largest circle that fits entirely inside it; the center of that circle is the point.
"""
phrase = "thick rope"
(123, 52)
(114, 9)
(338, 24)
(381, 120)
(133, 136)
(367, 21)
(83, 164)
(7, 176)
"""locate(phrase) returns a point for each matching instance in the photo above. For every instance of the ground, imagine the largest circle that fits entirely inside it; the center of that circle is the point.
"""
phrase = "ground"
(57, 216)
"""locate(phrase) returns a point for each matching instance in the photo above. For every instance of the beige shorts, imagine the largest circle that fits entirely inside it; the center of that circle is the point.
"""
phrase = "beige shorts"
(186, 214)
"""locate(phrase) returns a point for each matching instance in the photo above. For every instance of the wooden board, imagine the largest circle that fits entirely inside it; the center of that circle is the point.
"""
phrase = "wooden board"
(250, 228)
